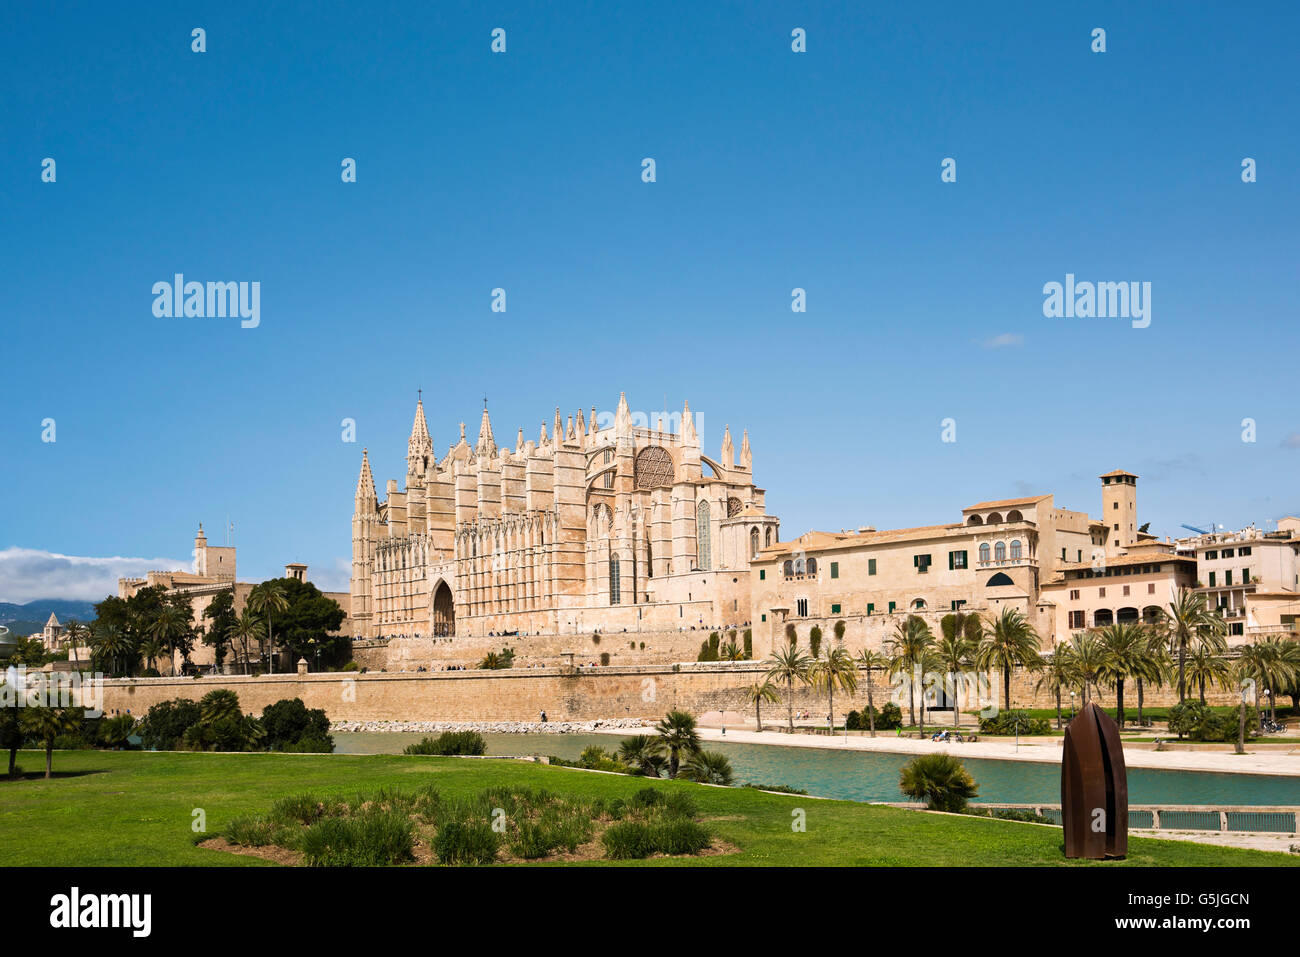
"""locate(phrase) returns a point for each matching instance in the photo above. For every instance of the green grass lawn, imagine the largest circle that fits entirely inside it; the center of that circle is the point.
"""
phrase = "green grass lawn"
(135, 808)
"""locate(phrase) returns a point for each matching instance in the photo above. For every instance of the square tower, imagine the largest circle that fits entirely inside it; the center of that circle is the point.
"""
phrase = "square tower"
(1119, 509)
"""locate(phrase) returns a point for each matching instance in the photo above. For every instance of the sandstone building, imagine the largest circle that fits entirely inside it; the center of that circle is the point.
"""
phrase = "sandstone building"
(586, 529)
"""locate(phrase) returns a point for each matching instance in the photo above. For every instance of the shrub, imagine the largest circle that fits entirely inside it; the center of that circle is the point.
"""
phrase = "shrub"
(351, 666)
(887, 718)
(1007, 722)
(289, 721)
(304, 809)
(646, 797)
(249, 831)
(165, 724)
(853, 721)
(628, 840)
(450, 743)
(778, 788)
(1185, 718)
(940, 780)
(679, 835)
(373, 837)
(707, 767)
(679, 804)
(466, 842)
(114, 732)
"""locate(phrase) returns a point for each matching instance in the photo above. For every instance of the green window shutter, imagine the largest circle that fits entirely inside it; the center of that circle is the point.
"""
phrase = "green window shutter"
(765, 617)
(762, 574)
(950, 556)
(1211, 579)
(871, 566)
(835, 570)
(891, 607)
(835, 609)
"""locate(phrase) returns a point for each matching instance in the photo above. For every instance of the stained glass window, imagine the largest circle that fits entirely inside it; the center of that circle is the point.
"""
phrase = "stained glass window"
(703, 546)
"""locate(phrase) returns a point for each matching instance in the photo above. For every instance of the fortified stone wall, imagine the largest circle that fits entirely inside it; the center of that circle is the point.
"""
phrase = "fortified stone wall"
(519, 694)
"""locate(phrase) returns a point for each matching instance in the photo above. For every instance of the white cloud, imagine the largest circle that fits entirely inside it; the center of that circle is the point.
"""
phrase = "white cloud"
(1292, 441)
(1004, 340)
(28, 573)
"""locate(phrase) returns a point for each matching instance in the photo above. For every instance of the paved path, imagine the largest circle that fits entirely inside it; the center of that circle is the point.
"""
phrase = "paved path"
(1047, 750)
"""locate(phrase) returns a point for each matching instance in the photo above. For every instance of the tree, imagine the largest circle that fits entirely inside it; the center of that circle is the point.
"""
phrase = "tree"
(789, 665)
(756, 694)
(1186, 615)
(110, 648)
(910, 653)
(840, 628)
(708, 767)
(644, 752)
(815, 641)
(266, 600)
(222, 615)
(731, 651)
(77, 634)
(1204, 665)
(246, 628)
(1007, 641)
(836, 670)
(871, 661)
(954, 652)
(1088, 656)
(288, 722)
(11, 732)
(1059, 673)
(45, 725)
(151, 649)
(1123, 648)
(940, 780)
(305, 625)
(1154, 664)
(678, 734)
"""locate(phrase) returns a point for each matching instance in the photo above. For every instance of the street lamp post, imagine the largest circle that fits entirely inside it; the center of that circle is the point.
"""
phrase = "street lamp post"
(1241, 723)
(1071, 705)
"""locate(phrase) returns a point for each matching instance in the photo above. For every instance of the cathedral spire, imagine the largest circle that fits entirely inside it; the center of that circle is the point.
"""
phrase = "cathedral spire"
(582, 428)
(622, 420)
(367, 503)
(519, 441)
(542, 439)
(591, 436)
(419, 449)
(569, 435)
(728, 449)
(689, 437)
(487, 445)
(746, 456)
(557, 430)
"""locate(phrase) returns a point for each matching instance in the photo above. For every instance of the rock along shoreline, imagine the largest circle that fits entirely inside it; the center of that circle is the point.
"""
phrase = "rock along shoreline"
(484, 727)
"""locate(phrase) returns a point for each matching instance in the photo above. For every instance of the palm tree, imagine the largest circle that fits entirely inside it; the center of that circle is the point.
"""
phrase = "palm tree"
(1154, 664)
(640, 751)
(170, 627)
(940, 780)
(756, 694)
(1007, 641)
(677, 733)
(910, 654)
(1204, 665)
(1088, 656)
(45, 725)
(110, 644)
(731, 651)
(244, 629)
(708, 767)
(77, 633)
(1123, 651)
(1186, 615)
(954, 652)
(789, 664)
(152, 648)
(871, 661)
(218, 705)
(836, 670)
(1059, 673)
(266, 599)
(1270, 661)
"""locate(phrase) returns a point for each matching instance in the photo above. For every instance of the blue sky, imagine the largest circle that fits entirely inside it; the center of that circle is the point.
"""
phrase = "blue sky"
(775, 170)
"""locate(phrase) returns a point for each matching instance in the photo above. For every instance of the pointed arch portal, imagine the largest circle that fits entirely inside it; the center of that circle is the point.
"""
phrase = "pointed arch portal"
(444, 612)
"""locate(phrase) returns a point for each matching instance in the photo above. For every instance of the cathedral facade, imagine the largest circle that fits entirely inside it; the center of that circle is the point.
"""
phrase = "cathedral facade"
(586, 529)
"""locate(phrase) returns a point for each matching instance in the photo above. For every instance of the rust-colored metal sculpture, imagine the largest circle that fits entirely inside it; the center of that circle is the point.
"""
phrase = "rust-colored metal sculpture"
(1094, 787)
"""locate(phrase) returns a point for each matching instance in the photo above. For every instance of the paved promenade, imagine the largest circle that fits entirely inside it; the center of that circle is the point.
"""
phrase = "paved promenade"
(1047, 750)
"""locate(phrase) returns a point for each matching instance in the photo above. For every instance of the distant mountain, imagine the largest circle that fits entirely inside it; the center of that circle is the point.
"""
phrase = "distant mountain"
(31, 617)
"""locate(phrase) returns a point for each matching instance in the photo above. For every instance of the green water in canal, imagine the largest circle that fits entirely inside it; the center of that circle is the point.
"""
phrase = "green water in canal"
(873, 776)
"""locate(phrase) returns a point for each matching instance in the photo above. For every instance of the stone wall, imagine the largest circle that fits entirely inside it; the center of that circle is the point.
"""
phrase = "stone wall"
(646, 691)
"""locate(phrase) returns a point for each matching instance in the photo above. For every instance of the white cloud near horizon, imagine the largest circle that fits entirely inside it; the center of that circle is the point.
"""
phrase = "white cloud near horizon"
(28, 573)
(1003, 340)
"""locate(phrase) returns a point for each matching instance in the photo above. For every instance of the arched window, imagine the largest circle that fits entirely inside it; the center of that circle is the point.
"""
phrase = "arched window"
(1015, 516)
(753, 541)
(918, 604)
(653, 468)
(1001, 578)
(703, 545)
(1015, 550)
(767, 538)
(788, 569)
(734, 506)
(799, 566)
(974, 520)
(995, 518)
(812, 566)
(1000, 552)
(615, 585)
(984, 551)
